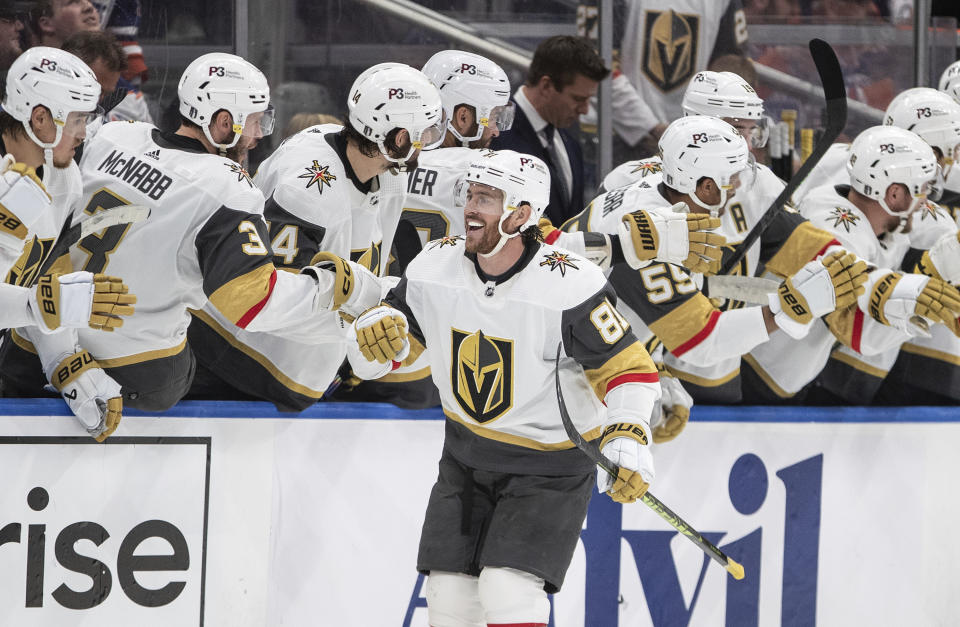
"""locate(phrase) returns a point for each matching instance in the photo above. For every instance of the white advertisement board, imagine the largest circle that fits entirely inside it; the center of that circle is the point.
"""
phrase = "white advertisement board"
(279, 521)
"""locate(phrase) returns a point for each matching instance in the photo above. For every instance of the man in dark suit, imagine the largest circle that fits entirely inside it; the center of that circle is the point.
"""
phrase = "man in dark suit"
(563, 76)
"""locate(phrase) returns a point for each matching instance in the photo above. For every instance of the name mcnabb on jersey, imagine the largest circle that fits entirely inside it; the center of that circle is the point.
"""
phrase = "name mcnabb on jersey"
(136, 173)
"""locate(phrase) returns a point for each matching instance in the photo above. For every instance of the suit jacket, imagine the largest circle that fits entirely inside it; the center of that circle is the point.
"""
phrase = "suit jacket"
(522, 138)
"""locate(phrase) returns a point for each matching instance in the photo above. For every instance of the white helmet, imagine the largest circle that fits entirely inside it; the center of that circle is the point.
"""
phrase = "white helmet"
(931, 114)
(698, 146)
(465, 78)
(950, 81)
(389, 96)
(523, 179)
(220, 81)
(57, 80)
(884, 155)
(726, 95)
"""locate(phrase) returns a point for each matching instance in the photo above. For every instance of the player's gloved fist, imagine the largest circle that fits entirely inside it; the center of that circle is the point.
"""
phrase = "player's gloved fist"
(80, 299)
(670, 416)
(943, 259)
(382, 334)
(23, 200)
(848, 274)
(626, 444)
(354, 288)
(93, 397)
(673, 236)
(911, 302)
(808, 294)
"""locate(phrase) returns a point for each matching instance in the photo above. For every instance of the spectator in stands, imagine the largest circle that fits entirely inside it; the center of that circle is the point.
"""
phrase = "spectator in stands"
(106, 57)
(54, 21)
(122, 19)
(304, 120)
(564, 74)
(11, 27)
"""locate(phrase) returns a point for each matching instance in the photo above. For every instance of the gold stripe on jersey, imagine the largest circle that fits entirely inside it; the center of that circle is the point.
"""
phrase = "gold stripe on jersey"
(11, 224)
(932, 353)
(776, 389)
(238, 296)
(703, 381)
(403, 377)
(139, 358)
(856, 364)
(22, 342)
(634, 359)
(517, 440)
(681, 324)
(802, 246)
(276, 373)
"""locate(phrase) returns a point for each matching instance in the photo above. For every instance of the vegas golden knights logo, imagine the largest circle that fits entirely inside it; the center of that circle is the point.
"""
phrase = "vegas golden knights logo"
(482, 376)
(25, 270)
(670, 53)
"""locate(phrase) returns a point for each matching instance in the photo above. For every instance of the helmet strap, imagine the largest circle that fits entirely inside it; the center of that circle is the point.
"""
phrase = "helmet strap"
(504, 237)
(713, 209)
(47, 148)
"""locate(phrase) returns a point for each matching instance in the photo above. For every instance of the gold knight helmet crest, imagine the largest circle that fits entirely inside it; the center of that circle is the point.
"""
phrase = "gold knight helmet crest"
(670, 50)
(482, 374)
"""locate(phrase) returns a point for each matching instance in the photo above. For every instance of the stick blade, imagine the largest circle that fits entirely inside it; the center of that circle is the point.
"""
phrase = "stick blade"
(735, 569)
(828, 66)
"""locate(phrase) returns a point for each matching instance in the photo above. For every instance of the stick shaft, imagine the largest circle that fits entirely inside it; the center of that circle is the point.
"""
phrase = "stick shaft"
(593, 452)
(831, 76)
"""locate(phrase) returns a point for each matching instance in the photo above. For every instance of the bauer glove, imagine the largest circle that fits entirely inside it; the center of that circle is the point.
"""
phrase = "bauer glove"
(93, 397)
(80, 299)
(817, 289)
(672, 235)
(626, 444)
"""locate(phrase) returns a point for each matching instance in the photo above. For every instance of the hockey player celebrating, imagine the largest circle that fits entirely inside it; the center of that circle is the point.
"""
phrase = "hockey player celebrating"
(490, 310)
(890, 172)
(702, 342)
(334, 189)
(205, 240)
(474, 90)
(50, 96)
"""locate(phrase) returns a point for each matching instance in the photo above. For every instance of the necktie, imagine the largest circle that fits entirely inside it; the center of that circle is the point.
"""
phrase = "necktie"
(555, 158)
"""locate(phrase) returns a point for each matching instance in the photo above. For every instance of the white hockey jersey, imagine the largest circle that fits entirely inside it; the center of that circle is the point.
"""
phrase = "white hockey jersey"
(492, 353)
(64, 189)
(702, 345)
(205, 240)
(874, 345)
(666, 42)
(314, 202)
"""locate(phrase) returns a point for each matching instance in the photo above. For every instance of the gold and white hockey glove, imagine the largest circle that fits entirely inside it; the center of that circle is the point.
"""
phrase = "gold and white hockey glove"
(942, 260)
(92, 395)
(671, 414)
(627, 445)
(352, 290)
(911, 302)
(23, 200)
(382, 335)
(672, 235)
(79, 300)
(816, 289)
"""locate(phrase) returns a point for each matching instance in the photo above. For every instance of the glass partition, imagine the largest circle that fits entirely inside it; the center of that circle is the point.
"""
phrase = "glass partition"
(311, 50)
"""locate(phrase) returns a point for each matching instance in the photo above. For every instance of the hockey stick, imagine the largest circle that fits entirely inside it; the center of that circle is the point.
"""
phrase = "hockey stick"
(124, 214)
(592, 451)
(831, 77)
(748, 289)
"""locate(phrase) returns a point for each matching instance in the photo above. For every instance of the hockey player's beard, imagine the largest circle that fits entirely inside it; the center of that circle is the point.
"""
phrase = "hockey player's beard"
(481, 241)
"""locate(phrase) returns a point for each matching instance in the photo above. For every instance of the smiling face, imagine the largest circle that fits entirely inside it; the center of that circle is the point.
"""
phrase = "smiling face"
(481, 216)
